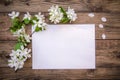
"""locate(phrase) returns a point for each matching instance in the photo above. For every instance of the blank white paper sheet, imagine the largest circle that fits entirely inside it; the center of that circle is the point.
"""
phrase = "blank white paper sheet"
(69, 46)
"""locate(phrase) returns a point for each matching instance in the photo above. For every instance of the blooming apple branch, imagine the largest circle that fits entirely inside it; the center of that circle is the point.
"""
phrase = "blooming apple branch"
(20, 54)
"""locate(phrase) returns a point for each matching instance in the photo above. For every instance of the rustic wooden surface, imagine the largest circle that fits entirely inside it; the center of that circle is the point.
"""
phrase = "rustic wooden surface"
(107, 51)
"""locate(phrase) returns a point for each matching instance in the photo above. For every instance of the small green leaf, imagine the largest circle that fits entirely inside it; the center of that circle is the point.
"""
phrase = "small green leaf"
(38, 29)
(26, 21)
(35, 18)
(16, 24)
(63, 11)
(12, 29)
(18, 45)
(15, 20)
(65, 20)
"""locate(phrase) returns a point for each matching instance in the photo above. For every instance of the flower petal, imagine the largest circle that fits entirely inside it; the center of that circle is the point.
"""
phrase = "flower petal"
(103, 19)
(103, 36)
(101, 26)
(91, 15)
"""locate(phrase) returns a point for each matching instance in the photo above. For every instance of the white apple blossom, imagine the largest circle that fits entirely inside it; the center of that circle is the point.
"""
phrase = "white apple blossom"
(27, 16)
(18, 58)
(27, 38)
(39, 24)
(71, 14)
(21, 33)
(55, 14)
(40, 17)
(25, 52)
(14, 14)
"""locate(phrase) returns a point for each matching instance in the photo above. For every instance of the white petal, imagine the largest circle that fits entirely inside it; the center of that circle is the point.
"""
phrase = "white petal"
(10, 65)
(13, 12)
(17, 14)
(16, 68)
(29, 56)
(33, 29)
(10, 14)
(25, 16)
(103, 36)
(35, 25)
(21, 66)
(103, 19)
(22, 47)
(39, 13)
(101, 26)
(28, 13)
(91, 15)
(29, 50)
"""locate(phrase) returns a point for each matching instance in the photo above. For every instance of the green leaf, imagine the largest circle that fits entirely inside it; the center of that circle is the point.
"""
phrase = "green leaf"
(18, 46)
(63, 11)
(16, 24)
(15, 20)
(26, 21)
(35, 18)
(38, 29)
(12, 29)
(65, 20)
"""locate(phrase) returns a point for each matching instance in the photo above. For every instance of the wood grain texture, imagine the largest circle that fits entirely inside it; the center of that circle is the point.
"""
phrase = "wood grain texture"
(29, 74)
(78, 5)
(107, 51)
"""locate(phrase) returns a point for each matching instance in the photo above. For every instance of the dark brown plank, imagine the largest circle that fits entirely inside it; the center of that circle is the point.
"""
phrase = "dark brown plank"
(112, 26)
(107, 53)
(78, 5)
(29, 74)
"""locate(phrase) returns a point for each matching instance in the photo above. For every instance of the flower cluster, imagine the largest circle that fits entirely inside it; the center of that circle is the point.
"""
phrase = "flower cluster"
(71, 14)
(40, 23)
(18, 57)
(59, 15)
(14, 14)
(20, 54)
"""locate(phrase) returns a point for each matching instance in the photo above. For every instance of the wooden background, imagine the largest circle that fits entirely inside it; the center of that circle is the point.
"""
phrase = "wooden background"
(107, 51)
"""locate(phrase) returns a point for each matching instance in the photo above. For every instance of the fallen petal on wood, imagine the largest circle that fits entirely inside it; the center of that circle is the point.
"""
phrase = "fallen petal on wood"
(91, 15)
(101, 26)
(103, 36)
(103, 19)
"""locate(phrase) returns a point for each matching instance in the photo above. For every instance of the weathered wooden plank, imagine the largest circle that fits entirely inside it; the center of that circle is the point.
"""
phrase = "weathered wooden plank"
(107, 53)
(28, 73)
(112, 26)
(78, 5)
